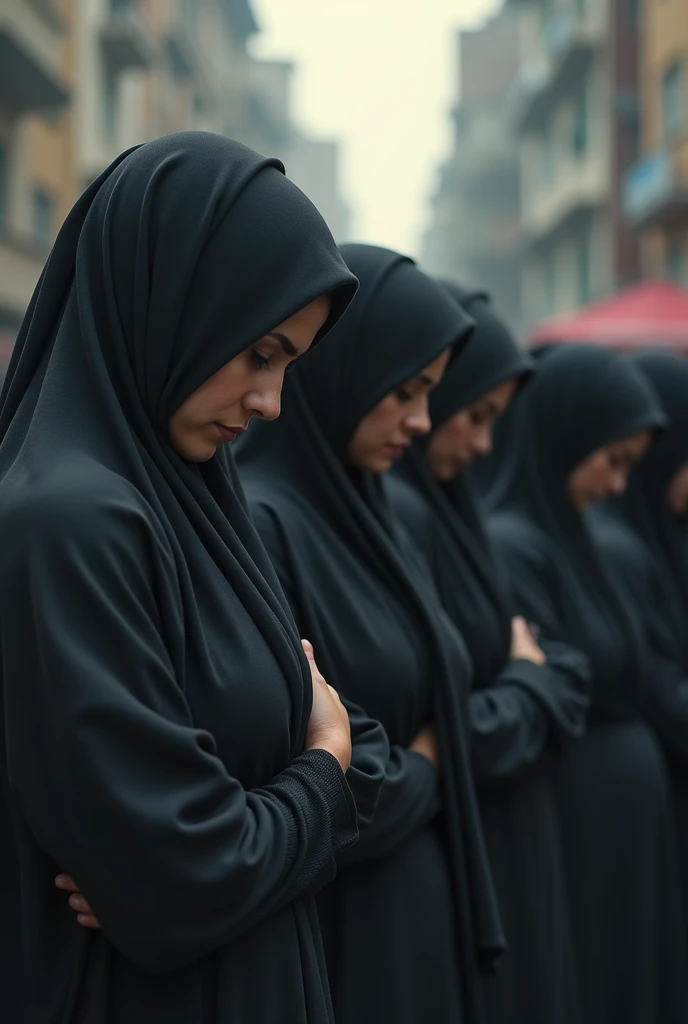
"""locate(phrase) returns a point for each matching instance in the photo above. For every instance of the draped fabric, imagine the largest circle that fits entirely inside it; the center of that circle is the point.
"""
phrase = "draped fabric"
(520, 713)
(155, 696)
(612, 786)
(411, 918)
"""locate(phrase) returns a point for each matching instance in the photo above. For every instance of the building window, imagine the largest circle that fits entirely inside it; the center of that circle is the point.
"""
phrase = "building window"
(109, 107)
(584, 271)
(673, 100)
(43, 211)
(4, 182)
(676, 260)
(549, 155)
(550, 288)
(580, 135)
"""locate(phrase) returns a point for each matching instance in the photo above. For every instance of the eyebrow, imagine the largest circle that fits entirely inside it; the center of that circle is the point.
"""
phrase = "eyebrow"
(424, 379)
(286, 343)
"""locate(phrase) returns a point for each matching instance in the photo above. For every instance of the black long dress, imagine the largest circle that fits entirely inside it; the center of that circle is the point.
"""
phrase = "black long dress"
(520, 712)
(612, 786)
(409, 919)
(155, 697)
(648, 550)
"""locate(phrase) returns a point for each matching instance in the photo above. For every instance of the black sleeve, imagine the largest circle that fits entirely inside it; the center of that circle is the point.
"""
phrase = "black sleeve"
(105, 765)
(410, 793)
(527, 709)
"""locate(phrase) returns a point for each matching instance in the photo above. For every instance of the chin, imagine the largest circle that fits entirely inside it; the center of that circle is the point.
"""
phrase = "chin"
(381, 465)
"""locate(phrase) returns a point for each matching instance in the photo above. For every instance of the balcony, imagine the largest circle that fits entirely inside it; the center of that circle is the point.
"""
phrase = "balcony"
(125, 38)
(579, 191)
(181, 47)
(569, 44)
(654, 193)
(30, 77)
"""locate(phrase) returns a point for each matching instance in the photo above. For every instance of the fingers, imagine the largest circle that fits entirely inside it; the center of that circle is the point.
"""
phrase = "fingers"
(88, 921)
(78, 902)
(66, 883)
(308, 649)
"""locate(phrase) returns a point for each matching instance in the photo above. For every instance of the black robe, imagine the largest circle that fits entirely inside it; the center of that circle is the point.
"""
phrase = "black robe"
(155, 696)
(647, 547)
(520, 712)
(613, 792)
(409, 920)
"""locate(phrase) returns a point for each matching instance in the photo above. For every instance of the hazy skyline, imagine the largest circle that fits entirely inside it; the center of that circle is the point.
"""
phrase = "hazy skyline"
(378, 76)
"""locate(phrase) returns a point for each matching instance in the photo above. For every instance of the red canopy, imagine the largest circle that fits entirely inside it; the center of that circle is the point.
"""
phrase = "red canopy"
(654, 313)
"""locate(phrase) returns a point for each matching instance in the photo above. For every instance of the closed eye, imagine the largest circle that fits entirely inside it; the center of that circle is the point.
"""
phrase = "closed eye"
(260, 361)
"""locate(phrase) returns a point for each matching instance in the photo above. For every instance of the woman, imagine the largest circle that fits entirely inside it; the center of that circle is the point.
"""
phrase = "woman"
(411, 913)
(586, 419)
(524, 704)
(165, 744)
(644, 535)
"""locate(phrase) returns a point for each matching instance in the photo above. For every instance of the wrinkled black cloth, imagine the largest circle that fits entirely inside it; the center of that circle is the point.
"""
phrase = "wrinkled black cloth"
(647, 546)
(520, 713)
(155, 696)
(410, 919)
(612, 786)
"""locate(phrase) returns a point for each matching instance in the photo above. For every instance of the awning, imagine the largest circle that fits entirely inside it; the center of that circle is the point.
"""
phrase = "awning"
(652, 314)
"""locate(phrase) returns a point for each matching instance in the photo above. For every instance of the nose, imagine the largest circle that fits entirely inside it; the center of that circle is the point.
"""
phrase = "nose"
(482, 442)
(417, 421)
(618, 483)
(265, 403)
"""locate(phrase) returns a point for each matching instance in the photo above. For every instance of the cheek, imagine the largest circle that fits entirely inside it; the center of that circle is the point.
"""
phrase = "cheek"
(380, 424)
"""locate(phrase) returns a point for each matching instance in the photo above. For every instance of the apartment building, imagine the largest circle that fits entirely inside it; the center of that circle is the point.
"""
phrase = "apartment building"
(473, 235)
(656, 187)
(575, 105)
(36, 135)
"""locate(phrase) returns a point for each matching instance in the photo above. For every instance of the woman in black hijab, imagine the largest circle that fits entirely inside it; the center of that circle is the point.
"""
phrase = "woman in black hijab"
(645, 536)
(410, 918)
(165, 745)
(522, 706)
(587, 418)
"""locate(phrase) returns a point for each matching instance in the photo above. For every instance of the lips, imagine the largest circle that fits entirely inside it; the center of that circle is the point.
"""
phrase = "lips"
(228, 433)
(397, 450)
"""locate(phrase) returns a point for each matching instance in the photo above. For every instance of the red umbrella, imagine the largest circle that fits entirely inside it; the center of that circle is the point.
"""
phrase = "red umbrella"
(654, 313)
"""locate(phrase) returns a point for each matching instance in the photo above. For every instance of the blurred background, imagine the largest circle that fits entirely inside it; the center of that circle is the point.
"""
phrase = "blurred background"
(536, 148)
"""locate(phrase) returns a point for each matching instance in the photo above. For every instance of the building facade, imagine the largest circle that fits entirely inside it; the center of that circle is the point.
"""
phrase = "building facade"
(36, 142)
(473, 235)
(83, 80)
(656, 187)
(575, 105)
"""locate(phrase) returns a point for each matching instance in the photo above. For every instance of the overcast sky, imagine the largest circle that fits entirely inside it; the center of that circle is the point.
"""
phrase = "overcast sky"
(379, 76)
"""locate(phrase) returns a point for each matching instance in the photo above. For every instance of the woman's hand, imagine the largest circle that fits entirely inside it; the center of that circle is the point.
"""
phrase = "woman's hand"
(328, 726)
(524, 644)
(77, 902)
(426, 744)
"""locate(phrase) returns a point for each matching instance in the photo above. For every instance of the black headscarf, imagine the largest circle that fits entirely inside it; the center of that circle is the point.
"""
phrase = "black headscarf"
(476, 598)
(582, 397)
(178, 257)
(488, 472)
(401, 320)
(644, 505)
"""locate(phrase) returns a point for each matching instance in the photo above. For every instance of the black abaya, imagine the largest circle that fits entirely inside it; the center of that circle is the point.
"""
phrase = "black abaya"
(520, 712)
(614, 801)
(647, 546)
(155, 694)
(410, 918)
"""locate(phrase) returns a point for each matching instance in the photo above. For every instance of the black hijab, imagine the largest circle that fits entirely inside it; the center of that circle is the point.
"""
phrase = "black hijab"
(178, 257)
(469, 577)
(582, 397)
(644, 506)
(401, 320)
(488, 472)
(168, 266)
